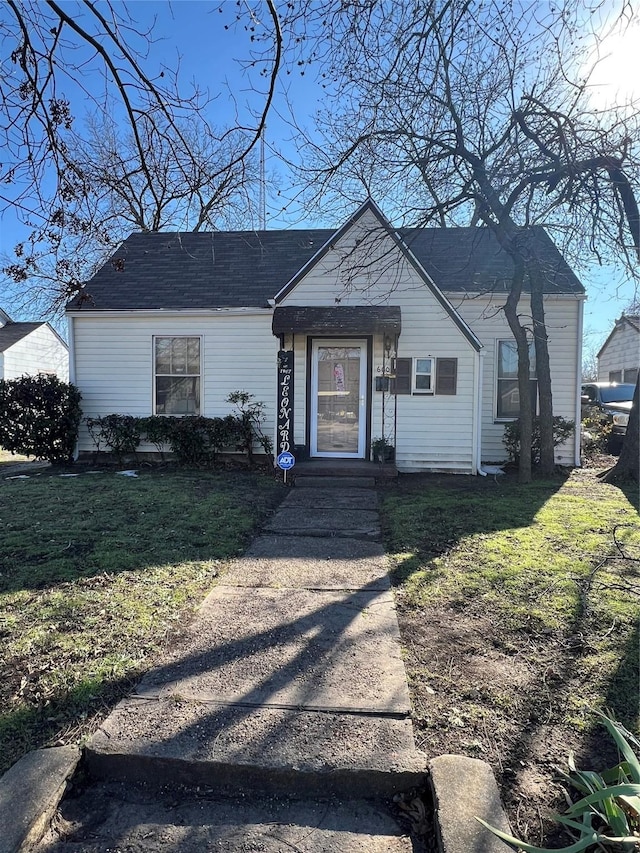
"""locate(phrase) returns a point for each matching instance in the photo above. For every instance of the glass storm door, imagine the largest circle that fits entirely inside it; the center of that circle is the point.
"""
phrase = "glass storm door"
(338, 398)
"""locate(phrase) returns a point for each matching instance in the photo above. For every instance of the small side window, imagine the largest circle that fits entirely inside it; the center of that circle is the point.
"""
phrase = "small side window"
(423, 376)
(615, 376)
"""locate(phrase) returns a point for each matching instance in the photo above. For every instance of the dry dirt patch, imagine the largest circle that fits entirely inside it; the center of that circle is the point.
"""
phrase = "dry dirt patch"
(504, 665)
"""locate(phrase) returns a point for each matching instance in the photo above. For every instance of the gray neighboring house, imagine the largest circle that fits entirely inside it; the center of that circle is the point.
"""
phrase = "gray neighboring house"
(367, 331)
(619, 356)
(27, 349)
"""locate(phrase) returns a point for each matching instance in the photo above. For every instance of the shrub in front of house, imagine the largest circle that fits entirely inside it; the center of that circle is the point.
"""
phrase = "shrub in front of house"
(40, 416)
(562, 430)
(595, 434)
(193, 440)
(118, 433)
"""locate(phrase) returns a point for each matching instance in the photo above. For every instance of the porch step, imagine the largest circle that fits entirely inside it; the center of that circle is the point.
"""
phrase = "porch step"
(344, 468)
(313, 481)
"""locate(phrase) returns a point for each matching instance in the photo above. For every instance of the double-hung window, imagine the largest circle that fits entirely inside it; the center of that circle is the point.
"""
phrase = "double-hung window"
(423, 375)
(508, 394)
(177, 375)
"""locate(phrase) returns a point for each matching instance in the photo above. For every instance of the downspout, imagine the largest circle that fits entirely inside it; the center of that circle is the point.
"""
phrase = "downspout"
(478, 436)
(72, 369)
(576, 437)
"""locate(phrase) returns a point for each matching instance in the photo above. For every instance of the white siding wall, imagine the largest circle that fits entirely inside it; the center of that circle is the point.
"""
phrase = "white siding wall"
(562, 321)
(434, 432)
(620, 353)
(41, 351)
(114, 362)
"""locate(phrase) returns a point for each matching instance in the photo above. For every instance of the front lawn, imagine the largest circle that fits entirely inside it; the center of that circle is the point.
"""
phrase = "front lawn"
(519, 613)
(97, 572)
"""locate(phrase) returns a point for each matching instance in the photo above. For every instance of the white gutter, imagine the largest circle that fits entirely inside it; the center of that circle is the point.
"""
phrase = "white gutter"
(478, 425)
(576, 437)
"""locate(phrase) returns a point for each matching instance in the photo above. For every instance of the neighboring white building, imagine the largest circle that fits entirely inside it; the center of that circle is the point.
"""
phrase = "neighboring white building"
(394, 334)
(27, 349)
(619, 356)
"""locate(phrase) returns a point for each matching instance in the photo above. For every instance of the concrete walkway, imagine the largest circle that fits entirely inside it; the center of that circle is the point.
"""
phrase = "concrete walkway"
(290, 679)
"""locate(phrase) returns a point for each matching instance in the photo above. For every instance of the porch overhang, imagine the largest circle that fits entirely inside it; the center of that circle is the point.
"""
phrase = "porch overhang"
(338, 320)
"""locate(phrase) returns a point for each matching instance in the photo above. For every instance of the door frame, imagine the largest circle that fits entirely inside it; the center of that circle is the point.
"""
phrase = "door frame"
(310, 408)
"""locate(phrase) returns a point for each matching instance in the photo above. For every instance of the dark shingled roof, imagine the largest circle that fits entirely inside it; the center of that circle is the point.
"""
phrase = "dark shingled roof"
(240, 269)
(14, 332)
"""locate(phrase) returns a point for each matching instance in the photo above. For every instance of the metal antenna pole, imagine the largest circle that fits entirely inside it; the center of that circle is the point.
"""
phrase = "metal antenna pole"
(262, 193)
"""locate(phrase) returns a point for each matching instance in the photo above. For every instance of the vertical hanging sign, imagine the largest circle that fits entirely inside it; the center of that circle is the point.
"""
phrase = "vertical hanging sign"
(285, 402)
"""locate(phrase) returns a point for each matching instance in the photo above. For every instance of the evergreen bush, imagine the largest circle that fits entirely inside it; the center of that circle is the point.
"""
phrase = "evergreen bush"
(40, 416)
(562, 430)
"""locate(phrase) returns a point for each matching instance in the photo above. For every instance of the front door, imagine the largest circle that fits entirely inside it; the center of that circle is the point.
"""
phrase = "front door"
(339, 398)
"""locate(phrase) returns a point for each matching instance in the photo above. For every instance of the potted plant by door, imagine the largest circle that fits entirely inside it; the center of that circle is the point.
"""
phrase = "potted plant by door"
(382, 450)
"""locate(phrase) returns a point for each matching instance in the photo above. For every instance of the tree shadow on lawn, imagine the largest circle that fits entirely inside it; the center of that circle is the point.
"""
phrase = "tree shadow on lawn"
(57, 530)
(503, 684)
(546, 733)
(428, 515)
(67, 717)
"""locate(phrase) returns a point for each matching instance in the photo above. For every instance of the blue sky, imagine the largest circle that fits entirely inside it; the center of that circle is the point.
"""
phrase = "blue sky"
(194, 31)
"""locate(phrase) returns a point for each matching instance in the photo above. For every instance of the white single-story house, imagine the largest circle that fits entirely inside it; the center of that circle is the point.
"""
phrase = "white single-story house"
(347, 336)
(27, 349)
(619, 356)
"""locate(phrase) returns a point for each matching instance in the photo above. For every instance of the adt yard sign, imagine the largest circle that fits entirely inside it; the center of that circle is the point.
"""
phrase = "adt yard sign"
(286, 460)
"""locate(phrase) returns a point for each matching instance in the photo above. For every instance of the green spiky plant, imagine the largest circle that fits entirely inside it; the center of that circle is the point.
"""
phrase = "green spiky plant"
(611, 801)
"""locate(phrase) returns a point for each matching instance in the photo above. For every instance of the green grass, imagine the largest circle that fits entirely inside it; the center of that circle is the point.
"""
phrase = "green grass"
(524, 557)
(96, 573)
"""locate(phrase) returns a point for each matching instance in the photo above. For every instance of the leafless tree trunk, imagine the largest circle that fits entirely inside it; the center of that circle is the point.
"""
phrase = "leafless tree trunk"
(524, 383)
(543, 371)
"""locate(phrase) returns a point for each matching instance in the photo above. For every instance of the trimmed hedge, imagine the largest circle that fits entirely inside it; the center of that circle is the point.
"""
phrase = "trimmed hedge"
(194, 440)
(40, 416)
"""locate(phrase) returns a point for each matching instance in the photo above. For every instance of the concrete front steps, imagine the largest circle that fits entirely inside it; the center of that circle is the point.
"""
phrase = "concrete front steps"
(291, 677)
(343, 468)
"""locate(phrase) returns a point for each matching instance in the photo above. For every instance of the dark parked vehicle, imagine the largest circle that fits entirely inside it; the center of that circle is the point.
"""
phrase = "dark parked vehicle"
(612, 400)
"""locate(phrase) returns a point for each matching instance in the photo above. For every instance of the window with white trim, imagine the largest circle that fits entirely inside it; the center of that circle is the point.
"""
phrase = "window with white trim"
(422, 376)
(176, 375)
(508, 394)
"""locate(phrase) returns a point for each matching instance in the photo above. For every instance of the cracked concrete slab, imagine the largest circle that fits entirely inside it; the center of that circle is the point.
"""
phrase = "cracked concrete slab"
(295, 648)
(320, 498)
(261, 748)
(308, 521)
(311, 562)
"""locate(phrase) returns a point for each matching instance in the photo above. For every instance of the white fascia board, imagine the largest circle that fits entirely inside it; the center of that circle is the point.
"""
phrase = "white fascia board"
(168, 312)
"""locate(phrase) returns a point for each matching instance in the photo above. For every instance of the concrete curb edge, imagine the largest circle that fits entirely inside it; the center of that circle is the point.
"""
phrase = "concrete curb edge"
(30, 793)
(463, 789)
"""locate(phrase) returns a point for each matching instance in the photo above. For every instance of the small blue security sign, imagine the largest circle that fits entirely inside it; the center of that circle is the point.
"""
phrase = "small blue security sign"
(286, 460)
